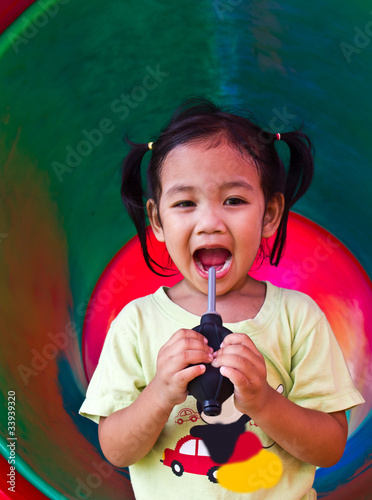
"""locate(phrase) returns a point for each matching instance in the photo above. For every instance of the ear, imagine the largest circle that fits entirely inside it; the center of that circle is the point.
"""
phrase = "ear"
(154, 219)
(273, 215)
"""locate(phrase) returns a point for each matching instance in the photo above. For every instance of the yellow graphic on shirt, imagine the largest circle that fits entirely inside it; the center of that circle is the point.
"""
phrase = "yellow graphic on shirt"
(264, 470)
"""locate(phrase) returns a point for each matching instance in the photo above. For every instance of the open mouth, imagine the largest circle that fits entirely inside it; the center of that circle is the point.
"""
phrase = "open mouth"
(219, 258)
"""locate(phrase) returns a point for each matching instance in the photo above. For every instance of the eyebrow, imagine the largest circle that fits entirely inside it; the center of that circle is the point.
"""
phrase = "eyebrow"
(180, 188)
(234, 184)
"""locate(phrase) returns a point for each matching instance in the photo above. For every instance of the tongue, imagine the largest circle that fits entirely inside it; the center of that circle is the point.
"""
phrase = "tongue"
(213, 257)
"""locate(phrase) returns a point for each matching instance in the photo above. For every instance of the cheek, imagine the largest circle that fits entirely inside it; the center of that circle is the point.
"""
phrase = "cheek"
(249, 227)
(259, 219)
(175, 234)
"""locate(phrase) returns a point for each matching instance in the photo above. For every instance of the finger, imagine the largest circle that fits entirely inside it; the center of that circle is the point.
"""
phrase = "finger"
(243, 350)
(186, 344)
(187, 374)
(239, 354)
(184, 333)
(184, 340)
(184, 359)
(241, 363)
(238, 338)
(235, 376)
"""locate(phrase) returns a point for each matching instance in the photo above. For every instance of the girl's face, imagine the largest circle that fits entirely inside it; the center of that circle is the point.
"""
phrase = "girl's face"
(212, 212)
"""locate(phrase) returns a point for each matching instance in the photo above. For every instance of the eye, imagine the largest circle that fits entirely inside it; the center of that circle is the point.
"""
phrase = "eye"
(234, 201)
(185, 204)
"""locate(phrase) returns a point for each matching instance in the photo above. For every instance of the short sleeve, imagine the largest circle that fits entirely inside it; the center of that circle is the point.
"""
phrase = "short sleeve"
(321, 379)
(118, 378)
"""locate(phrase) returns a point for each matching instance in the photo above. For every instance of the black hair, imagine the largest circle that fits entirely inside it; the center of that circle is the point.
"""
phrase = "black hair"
(198, 121)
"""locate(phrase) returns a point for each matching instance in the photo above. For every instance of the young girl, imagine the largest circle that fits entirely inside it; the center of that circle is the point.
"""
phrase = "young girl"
(218, 190)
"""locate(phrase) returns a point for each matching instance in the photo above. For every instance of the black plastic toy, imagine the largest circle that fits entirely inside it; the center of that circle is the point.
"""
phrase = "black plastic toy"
(211, 389)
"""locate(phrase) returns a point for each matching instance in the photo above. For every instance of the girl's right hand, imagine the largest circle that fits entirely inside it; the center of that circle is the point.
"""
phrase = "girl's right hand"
(173, 370)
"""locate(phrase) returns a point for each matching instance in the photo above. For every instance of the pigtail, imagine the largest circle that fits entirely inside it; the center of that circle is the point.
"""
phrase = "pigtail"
(132, 193)
(298, 180)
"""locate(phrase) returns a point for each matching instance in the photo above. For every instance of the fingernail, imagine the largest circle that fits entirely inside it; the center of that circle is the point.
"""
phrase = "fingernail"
(221, 344)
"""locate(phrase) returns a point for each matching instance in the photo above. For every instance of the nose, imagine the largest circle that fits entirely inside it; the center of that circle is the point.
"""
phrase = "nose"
(210, 220)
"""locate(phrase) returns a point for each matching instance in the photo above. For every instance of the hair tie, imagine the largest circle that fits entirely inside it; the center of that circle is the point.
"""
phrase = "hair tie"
(278, 136)
(150, 145)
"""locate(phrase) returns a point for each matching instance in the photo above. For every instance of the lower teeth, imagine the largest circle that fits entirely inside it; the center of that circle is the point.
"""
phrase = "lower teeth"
(220, 267)
(217, 268)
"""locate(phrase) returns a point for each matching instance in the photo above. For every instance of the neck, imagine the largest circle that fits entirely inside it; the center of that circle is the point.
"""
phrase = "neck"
(235, 305)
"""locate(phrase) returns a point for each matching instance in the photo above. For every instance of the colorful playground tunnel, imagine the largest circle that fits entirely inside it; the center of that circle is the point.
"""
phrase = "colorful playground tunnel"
(78, 76)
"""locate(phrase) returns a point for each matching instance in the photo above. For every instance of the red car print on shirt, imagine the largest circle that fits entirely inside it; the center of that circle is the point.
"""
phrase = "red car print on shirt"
(191, 455)
(186, 414)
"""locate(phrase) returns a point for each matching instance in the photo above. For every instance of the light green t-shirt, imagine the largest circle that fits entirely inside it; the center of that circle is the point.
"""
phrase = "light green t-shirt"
(304, 362)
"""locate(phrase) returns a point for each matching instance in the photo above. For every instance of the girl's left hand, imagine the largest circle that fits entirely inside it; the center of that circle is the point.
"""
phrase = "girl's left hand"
(240, 361)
